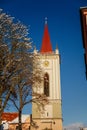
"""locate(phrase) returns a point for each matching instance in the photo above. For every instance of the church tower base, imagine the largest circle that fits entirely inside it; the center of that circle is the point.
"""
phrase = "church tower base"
(50, 124)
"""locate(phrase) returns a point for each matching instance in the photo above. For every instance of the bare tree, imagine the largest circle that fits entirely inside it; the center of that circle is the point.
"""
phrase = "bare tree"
(5, 62)
(14, 43)
(19, 68)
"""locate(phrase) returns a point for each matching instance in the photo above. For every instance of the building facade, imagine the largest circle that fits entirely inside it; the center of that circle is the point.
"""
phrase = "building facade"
(83, 15)
(51, 118)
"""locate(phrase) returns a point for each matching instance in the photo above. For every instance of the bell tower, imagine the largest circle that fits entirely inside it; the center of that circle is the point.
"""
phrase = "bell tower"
(51, 119)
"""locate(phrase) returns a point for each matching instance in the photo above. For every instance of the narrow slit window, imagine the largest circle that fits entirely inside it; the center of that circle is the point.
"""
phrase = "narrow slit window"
(46, 84)
(47, 114)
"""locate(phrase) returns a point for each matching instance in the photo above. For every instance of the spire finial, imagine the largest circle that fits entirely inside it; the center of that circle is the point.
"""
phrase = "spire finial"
(56, 46)
(57, 51)
(35, 50)
(45, 20)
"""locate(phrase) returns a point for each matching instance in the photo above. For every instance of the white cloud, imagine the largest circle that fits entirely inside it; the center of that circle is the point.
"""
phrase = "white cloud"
(74, 126)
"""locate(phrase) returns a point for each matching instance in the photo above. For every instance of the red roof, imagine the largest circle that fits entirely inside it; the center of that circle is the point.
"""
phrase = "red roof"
(9, 116)
(46, 43)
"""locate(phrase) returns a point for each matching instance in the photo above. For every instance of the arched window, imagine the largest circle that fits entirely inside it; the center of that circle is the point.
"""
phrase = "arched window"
(46, 84)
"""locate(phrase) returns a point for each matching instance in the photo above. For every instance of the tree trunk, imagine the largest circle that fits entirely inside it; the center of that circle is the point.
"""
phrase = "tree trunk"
(1, 111)
(0, 117)
(20, 121)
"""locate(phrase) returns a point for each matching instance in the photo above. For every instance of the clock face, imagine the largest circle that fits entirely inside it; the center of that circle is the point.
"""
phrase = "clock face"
(46, 63)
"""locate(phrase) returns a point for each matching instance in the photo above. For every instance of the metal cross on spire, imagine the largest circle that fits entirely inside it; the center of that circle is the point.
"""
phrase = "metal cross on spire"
(45, 20)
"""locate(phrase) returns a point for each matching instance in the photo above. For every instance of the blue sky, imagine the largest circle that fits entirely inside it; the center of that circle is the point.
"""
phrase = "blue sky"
(65, 30)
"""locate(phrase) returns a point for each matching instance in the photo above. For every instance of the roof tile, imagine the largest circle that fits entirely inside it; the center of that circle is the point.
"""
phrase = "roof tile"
(9, 116)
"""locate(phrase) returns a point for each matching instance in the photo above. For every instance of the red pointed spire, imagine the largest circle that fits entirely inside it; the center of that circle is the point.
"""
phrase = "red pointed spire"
(46, 43)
